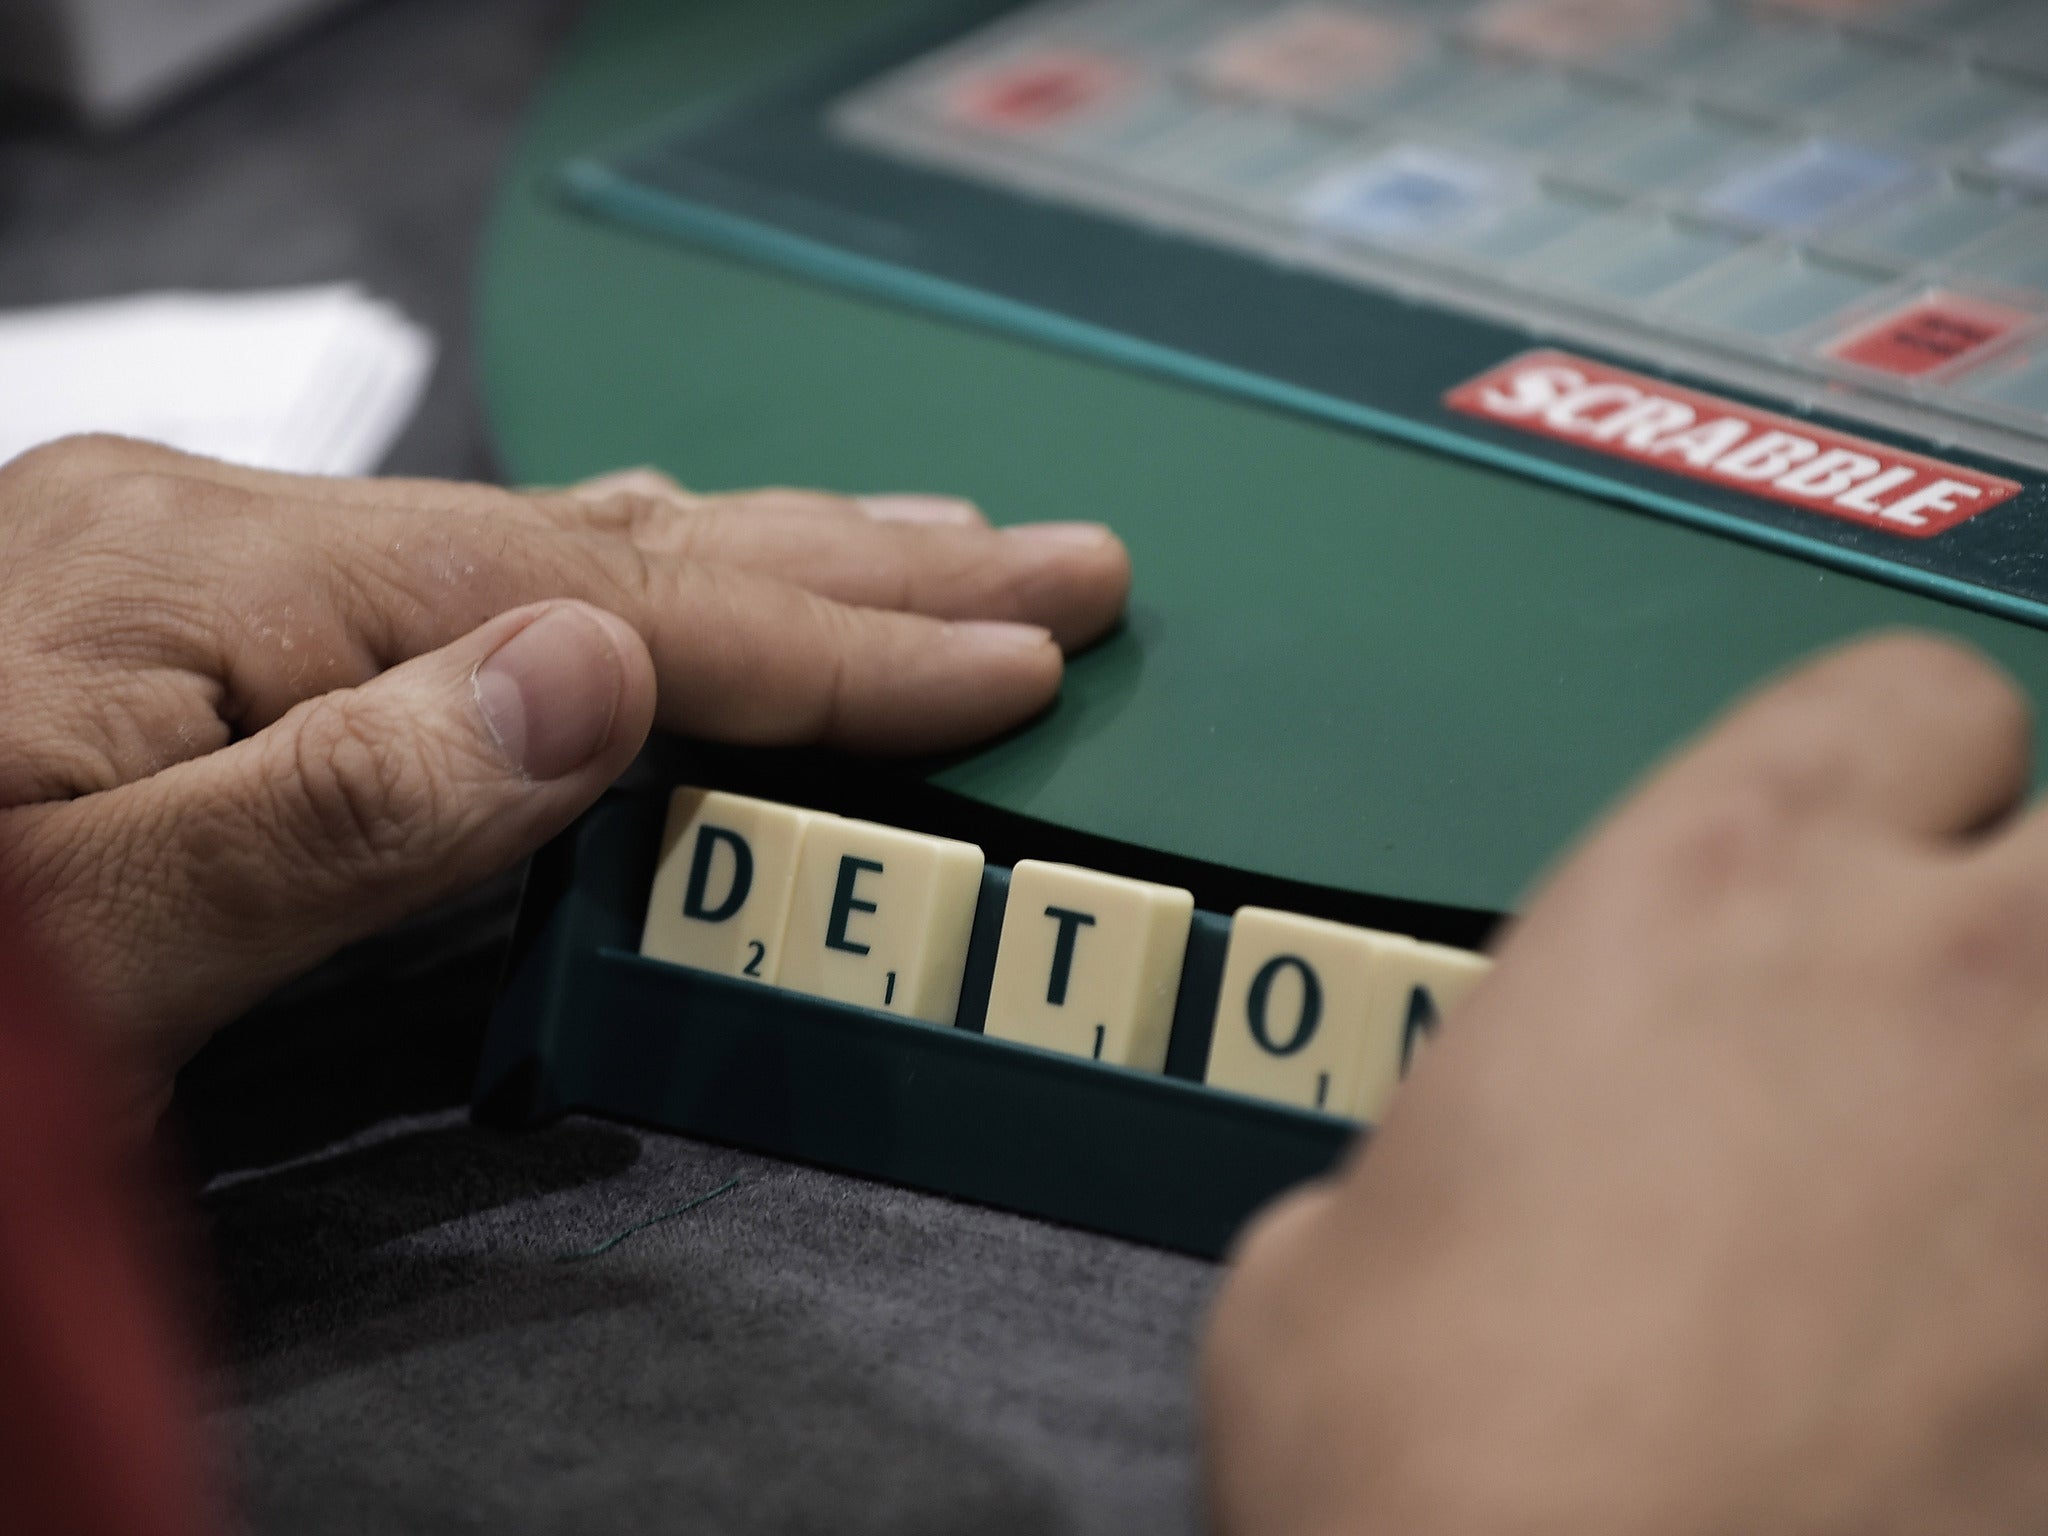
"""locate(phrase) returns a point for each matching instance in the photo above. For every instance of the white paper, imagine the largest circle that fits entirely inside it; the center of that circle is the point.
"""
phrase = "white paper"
(317, 381)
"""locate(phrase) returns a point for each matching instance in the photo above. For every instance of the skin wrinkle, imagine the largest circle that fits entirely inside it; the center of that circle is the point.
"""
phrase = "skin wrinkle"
(831, 722)
(417, 585)
(348, 793)
(685, 533)
(158, 723)
(264, 676)
(326, 650)
(732, 651)
(73, 732)
(908, 590)
(131, 894)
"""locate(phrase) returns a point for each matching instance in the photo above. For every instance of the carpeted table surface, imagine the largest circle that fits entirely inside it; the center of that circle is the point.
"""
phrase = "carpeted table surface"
(432, 1335)
(419, 1335)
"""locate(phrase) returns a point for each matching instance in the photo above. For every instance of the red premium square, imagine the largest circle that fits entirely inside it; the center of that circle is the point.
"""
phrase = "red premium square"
(1038, 92)
(1940, 330)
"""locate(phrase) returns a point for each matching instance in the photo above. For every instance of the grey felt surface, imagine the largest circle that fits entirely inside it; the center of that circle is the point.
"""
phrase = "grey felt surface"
(808, 1352)
(804, 1353)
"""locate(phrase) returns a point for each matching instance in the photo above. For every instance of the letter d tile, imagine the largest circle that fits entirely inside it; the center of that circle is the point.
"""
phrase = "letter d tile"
(722, 890)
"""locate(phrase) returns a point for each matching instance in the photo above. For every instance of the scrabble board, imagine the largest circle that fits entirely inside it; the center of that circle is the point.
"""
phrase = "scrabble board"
(1066, 1041)
(1775, 269)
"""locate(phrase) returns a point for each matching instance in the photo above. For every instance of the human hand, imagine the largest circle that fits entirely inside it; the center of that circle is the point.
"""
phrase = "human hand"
(253, 717)
(1722, 1205)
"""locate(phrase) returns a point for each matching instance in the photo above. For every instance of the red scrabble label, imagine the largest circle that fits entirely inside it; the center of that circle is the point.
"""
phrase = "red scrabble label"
(1736, 447)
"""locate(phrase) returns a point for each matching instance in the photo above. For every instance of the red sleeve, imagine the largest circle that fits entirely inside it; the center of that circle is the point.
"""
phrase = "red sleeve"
(99, 1434)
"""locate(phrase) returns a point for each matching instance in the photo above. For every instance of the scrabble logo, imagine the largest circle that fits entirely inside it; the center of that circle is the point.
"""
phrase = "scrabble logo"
(1737, 447)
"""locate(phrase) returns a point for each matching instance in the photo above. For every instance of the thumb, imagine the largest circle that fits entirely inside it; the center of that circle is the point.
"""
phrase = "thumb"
(182, 898)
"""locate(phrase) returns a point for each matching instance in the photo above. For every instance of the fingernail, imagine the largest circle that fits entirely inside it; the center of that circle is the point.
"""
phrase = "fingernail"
(920, 509)
(550, 693)
(1000, 635)
(1060, 535)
